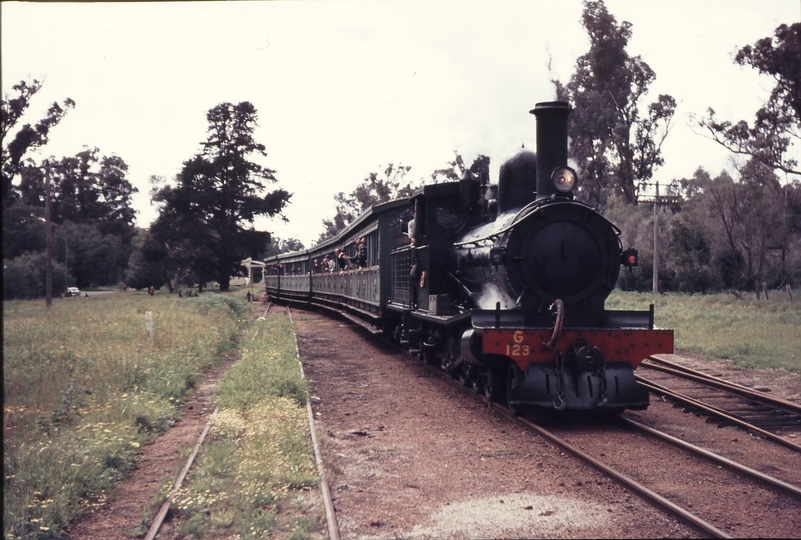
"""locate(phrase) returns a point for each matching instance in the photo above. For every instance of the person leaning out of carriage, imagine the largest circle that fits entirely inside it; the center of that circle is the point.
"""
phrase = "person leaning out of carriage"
(361, 253)
(342, 260)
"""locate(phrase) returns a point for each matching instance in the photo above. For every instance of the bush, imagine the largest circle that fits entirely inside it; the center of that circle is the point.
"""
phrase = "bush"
(25, 276)
(208, 302)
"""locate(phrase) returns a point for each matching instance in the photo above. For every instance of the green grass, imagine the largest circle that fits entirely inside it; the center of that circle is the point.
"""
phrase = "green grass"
(756, 334)
(84, 387)
(255, 476)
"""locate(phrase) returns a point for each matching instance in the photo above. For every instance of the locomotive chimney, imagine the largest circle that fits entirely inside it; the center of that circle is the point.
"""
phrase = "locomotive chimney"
(551, 142)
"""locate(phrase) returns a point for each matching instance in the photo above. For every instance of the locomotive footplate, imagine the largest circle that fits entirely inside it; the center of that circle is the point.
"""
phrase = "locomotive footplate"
(625, 345)
(580, 369)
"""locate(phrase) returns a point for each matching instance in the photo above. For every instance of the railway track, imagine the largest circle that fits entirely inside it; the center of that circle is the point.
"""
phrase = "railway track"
(729, 403)
(724, 484)
(712, 494)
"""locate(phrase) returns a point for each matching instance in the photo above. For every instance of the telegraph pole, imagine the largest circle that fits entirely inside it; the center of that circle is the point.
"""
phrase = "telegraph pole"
(49, 237)
(656, 242)
(665, 200)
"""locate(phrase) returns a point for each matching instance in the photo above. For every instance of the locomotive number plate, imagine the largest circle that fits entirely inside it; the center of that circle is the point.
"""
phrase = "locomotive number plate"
(525, 346)
(516, 344)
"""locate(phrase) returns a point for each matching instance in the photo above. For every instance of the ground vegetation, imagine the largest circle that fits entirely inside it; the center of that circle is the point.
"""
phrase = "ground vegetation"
(86, 385)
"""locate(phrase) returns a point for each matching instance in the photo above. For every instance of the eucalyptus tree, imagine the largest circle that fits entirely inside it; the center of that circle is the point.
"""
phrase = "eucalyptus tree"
(617, 139)
(17, 142)
(374, 189)
(456, 168)
(777, 124)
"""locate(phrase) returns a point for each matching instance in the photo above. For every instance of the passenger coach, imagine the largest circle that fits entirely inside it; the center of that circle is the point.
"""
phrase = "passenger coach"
(359, 289)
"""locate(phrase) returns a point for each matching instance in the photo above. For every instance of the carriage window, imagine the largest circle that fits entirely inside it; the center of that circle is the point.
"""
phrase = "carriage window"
(372, 248)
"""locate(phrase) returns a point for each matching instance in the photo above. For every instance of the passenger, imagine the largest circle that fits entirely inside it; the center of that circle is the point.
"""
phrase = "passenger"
(342, 260)
(361, 253)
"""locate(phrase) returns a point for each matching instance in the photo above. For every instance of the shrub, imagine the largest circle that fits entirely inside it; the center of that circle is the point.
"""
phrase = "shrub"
(25, 276)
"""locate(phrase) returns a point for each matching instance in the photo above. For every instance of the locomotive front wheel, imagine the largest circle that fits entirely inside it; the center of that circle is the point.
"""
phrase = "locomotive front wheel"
(461, 376)
(494, 384)
(475, 382)
(513, 377)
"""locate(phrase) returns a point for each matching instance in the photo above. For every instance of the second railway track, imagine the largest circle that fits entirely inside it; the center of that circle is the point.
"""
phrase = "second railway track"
(726, 402)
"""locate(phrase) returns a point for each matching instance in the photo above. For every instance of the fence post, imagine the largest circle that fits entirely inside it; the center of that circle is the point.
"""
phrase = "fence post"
(149, 325)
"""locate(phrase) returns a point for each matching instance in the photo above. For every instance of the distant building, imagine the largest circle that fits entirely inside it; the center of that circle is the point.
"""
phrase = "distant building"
(254, 268)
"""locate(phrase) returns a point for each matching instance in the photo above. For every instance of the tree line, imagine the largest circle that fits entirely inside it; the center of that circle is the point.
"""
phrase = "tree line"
(724, 232)
(92, 217)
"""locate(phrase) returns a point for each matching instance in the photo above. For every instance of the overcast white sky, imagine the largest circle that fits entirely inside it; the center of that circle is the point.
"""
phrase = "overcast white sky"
(344, 87)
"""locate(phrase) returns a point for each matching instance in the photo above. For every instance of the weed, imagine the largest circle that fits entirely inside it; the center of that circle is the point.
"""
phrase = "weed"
(259, 455)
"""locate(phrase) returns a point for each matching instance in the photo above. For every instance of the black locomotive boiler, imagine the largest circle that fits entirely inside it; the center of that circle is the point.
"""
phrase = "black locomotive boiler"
(502, 285)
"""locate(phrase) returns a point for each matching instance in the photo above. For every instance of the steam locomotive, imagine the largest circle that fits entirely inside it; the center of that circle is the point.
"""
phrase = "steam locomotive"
(501, 285)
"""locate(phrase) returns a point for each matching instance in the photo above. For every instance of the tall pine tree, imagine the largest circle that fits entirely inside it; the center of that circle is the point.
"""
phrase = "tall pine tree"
(219, 194)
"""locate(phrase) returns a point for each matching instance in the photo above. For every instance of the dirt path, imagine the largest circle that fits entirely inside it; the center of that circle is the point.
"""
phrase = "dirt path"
(159, 464)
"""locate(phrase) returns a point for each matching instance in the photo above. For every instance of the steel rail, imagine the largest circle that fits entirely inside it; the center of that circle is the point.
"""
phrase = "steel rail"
(325, 492)
(640, 490)
(767, 480)
(165, 507)
(711, 409)
(650, 496)
(710, 380)
(646, 494)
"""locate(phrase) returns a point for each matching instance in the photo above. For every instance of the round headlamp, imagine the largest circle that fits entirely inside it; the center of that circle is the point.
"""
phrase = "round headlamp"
(564, 179)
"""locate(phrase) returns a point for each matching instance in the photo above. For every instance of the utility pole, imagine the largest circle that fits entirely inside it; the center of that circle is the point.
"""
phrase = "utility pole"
(49, 237)
(657, 200)
(656, 242)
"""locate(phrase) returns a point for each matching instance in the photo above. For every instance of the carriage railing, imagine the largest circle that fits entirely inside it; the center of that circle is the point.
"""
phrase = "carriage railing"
(360, 284)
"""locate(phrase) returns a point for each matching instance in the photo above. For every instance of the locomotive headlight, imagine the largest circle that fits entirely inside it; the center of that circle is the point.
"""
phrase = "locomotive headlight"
(564, 179)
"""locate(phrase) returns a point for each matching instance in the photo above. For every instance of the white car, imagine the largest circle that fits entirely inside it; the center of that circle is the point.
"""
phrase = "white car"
(72, 291)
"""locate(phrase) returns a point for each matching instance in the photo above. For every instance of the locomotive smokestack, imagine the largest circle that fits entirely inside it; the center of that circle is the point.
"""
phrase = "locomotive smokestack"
(551, 142)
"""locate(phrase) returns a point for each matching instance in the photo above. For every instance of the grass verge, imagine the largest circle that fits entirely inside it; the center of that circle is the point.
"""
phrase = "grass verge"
(84, 387)
(752, 333)
(254, 476)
